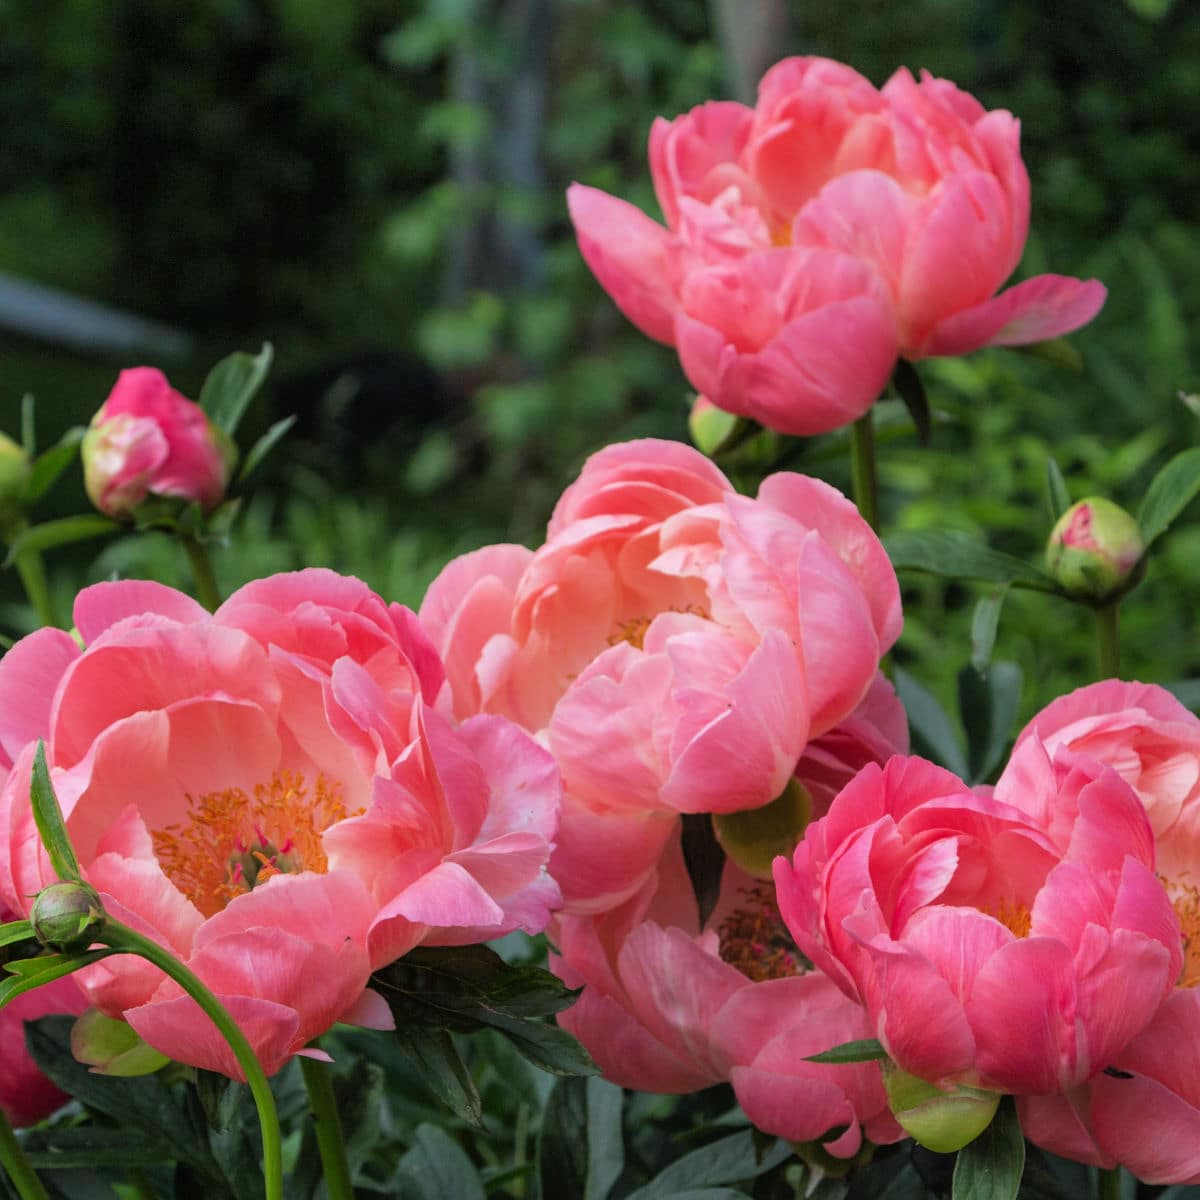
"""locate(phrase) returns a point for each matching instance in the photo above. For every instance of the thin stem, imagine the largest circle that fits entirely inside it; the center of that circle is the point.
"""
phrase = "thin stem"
(202, 571)
(121, 937)
(862, 468)
(33, 578)
(23, 1176)
(1108, 1185)
(1108, 640)
(319, 1082)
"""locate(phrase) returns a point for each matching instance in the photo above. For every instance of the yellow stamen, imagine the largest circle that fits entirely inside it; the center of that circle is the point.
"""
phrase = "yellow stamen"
(1186, 900)
(755, 940)
(230, 841)
(1017, 917)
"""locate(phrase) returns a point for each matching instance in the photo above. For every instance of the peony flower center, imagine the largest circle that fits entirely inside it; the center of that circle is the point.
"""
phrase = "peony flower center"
(1016, 917)
(230, 841)
(754, 939)
(634, 630)
(1186, 899)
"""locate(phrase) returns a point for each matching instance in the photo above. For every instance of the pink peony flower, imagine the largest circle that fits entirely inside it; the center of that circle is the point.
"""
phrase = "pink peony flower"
(148, 440)
(987, 951)
(675, 644)
(670, 1007)
(267, 794)
(811, 239)
(26, 1095)
(1146, 1113)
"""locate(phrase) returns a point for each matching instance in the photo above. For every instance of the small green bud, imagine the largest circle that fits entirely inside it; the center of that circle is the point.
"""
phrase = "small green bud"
(111, 1047)
(754, 837)
(14, 474)
(67, 917)
(711, 428)
(942, 1120)
(1094, 550)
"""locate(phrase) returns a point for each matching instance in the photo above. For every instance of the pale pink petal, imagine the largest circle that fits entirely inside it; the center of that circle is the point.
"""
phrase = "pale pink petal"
(102, 605)
(29, 674)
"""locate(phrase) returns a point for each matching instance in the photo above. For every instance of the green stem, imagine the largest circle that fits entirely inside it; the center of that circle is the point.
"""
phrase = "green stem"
(1109, 1184)
(23, 1176)
(33, 577)
(862, 468)
(319, 1082)
(202, 572)
(1108, 640)
(121, 937)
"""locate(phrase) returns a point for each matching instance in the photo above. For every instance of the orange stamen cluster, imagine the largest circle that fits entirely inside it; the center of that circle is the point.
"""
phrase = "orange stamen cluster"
(633, 631)
(1186, 900)
(755, 940)
(1016, 917)
(231, 841)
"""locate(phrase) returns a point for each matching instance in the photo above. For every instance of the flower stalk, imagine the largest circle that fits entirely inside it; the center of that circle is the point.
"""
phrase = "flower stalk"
(12, 1157)
(207, 591)
(1108, 640)
(862, 469)
(319, 1083)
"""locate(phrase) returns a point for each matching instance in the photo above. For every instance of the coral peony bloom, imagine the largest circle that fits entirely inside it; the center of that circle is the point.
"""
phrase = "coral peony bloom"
(266, 793)
(674, 643)
(26, 1095)
(773, 212)
(1146, 1113)
(669, 1007)
(148, 440)
(987, 951)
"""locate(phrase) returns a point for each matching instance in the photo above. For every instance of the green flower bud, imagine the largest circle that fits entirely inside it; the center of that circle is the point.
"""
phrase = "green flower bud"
(711, 427)
(67, 917)
(14, 474)
(1094, 550)
(942, 1120)
(111, 1047)
(753, 838)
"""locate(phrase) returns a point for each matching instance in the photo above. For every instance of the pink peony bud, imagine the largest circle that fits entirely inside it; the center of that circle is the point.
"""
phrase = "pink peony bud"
(148, 440)
(1094, 549)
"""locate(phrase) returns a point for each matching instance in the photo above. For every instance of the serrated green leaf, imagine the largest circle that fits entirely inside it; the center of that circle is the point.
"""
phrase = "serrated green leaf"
(990, 1167)
(433, 1054)
(1056, 489)
(911, 390)
(988, 705)
(932, 731)
(48, 818)
(952, 554)
(437, 1168)
(63, 532)
(1169, 493)
(232, 384)
(985, 620)
(863, 1050)
(46, 468)
(265, 444)
(581, 1152)
(730, 1160)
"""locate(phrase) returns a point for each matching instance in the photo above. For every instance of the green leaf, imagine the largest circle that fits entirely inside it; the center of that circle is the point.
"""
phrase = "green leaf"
(581, 1152)
(232, 384)
(1056, 489)
(265, 445)
(49, 819)
(988, 704)
(985, 620)
(62, 532)
(952, 554)
(29, 973)
(990, 1167)
(911, 390)
(437, 1168)
(15, 931)
(433, 1054)
(48, 467)
(704, 860)
(61, 1147)
(548, 1047)
(933, 734)
(1169, 493)
(864, 1050)
(733, 1159)
(1057, 351)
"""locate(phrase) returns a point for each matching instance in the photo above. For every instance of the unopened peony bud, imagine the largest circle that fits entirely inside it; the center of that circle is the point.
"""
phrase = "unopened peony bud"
(111, 1047)
(148, 440)
(755, 837)
(14, 473)
(942, 1121)
(711, 427)
(67, 917)
(1095, 549)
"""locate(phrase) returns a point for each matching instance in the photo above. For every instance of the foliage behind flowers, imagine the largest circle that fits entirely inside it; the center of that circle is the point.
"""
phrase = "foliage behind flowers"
(304, 807)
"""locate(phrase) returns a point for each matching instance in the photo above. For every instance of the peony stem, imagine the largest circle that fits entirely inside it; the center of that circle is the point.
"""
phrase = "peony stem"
(12, 1157)
(319, 1082)
(1108, 640)
(202, 571)
(1109, 1184)
(33, 578)
(121, 937)
(862, 468)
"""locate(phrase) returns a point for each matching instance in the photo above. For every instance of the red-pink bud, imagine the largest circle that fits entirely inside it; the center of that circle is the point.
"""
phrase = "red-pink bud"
(1094, 549)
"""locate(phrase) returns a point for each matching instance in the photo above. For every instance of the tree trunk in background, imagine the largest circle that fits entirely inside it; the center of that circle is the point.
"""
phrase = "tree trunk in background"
(753, 34)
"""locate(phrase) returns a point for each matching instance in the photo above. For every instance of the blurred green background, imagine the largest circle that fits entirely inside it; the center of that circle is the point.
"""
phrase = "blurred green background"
(377, 188)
